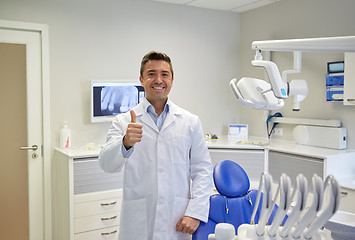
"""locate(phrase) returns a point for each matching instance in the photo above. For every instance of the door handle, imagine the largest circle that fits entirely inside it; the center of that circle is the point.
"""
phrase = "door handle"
(34, 148)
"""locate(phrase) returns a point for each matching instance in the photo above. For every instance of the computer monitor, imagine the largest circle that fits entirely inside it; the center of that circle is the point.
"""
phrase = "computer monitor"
(112, 97)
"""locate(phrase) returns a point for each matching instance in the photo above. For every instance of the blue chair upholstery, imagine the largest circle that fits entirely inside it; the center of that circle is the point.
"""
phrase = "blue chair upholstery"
(234, 204)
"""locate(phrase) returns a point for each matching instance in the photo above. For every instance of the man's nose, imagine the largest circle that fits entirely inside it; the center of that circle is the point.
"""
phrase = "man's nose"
(158, 79)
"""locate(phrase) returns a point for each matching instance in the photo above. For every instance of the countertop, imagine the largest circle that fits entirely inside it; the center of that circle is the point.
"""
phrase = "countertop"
(311, 151)
(347, 182)
(225, 143)
(222, 143)
(253, 143)
(81, 152)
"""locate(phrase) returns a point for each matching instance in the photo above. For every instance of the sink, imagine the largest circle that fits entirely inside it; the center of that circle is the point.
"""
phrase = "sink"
(341, 225)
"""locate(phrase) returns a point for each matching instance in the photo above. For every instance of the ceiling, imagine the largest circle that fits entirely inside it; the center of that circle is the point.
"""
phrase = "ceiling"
(238, 6)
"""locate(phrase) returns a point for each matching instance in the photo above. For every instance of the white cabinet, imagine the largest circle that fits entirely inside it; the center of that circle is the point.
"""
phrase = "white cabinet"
(349, 79)
(293, 164)
(293, 159)
(97, 212)
(347, 198)
(88, 200)
(103, 234)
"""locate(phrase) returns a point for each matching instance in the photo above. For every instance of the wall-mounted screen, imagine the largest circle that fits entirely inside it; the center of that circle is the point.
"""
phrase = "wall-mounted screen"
(112, 97)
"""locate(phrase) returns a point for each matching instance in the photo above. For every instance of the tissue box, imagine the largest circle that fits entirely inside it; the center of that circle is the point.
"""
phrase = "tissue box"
(335, 87)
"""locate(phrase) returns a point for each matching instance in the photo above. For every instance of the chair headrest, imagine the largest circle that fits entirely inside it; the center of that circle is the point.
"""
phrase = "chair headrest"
(230, 179)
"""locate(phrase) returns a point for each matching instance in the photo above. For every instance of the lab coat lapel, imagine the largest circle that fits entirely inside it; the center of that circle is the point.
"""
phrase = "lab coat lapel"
(145, 118)
(170, 118)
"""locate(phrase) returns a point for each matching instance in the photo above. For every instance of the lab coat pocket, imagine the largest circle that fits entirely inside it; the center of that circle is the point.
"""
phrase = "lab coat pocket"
(133, 217)
(181, 145)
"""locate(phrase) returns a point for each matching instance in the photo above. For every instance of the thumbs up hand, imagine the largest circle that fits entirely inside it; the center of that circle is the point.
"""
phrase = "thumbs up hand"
(134, 132)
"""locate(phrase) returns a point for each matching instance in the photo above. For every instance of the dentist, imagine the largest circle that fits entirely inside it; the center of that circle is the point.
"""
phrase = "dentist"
(167, 167)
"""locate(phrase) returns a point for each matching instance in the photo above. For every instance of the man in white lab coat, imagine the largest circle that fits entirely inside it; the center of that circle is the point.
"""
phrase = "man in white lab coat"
(167, 167)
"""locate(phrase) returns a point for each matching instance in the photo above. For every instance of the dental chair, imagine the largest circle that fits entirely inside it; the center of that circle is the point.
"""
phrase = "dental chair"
(235, 202)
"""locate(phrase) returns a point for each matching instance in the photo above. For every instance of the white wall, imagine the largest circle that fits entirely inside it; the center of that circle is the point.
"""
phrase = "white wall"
(289, 19)
(92, 39)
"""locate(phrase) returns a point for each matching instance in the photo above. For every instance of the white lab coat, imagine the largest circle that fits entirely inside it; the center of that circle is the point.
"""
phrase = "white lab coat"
(167, 176)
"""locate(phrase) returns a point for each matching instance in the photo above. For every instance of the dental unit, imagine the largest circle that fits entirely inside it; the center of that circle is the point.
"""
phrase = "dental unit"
(301, 189)
(266, 207)
(260, 94)
(285, 202)
(310, 220)
(313, 209)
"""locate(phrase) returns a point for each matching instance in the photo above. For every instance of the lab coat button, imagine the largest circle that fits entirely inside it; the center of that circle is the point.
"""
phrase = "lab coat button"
(161, 201)
(161, 170)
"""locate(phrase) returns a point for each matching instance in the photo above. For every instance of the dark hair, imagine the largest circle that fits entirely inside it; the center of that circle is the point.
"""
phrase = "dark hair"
(154, 55)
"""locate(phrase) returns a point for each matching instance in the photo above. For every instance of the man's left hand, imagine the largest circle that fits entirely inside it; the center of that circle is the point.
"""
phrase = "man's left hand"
(187, 225)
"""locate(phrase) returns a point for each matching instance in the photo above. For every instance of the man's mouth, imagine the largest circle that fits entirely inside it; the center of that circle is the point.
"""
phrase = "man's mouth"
(158, 88)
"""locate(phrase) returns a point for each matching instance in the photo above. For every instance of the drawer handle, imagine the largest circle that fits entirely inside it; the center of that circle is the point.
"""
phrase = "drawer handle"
(108, 204)
(108, 233)
(351, 100)
(344, 193)
(109, 218)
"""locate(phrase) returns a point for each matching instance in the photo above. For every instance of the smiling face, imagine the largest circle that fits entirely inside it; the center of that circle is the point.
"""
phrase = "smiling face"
(157, 81)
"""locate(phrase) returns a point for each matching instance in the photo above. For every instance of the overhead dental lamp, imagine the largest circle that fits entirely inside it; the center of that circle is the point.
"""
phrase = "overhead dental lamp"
(260, 94)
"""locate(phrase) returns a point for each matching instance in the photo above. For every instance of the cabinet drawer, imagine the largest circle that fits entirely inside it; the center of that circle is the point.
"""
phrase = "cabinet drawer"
(347, 197)
(110, 233)
(95, 196)
(97, 207)
(292, 165)
(89, 177)
(84, 224)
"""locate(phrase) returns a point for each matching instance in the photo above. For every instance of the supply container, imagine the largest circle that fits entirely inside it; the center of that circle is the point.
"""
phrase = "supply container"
(65, 136)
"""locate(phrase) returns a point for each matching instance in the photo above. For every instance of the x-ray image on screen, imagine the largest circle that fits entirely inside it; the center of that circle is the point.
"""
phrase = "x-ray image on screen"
(118, 99)
(112, 98)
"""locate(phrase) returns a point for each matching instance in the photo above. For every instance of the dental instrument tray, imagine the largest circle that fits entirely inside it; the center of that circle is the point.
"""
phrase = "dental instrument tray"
(294, 219)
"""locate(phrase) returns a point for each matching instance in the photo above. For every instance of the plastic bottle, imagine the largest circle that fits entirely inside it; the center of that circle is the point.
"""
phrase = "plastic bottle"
(65, 136)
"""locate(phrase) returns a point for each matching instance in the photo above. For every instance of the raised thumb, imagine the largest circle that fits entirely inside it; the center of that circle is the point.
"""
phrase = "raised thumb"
(133, 116)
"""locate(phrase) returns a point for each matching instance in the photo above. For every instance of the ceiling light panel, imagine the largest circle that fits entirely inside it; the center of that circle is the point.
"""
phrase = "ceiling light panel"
(252, 5)
(225, 5)
(174, 1)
